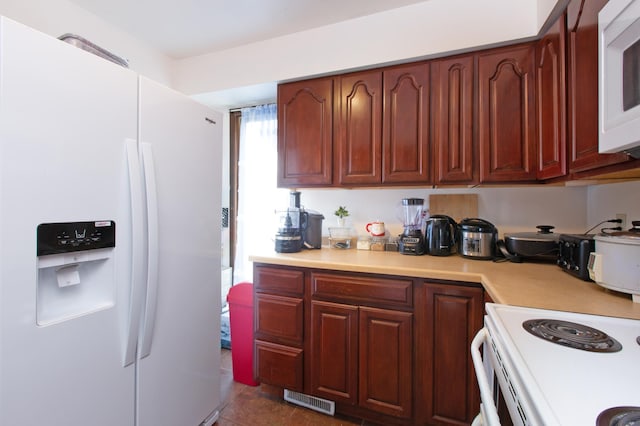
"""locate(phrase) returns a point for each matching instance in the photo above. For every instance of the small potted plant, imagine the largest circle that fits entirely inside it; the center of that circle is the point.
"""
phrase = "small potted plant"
(341, 214)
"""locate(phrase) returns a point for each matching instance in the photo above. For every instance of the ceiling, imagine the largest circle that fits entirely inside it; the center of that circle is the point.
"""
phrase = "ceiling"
(183, 28)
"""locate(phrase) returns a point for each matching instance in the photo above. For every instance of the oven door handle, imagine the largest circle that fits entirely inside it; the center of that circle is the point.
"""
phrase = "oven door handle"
(490, 412)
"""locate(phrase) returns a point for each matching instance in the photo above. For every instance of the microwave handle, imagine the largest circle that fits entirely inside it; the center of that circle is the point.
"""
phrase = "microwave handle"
(490, 412)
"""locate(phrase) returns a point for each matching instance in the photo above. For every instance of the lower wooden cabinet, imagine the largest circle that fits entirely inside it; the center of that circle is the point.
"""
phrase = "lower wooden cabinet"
(279, 365)
(453, 315)
(393, 350)
(362, 355)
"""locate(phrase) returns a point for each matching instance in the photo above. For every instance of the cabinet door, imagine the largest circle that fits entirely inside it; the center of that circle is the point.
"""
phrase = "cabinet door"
(506, 126)
(551, 105)
(305, 133)
(453, 82)
(386, 373)
(334, 351)
(359, 130)
(406, 124)
(454, 316)
(582, 23)
(278, 318)
(279, 365)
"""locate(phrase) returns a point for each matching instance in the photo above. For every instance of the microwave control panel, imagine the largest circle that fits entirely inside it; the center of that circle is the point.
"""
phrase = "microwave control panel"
(56, 238)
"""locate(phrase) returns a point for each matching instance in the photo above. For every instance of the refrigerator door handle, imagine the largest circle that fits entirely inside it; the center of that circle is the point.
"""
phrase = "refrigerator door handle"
(152, 247)
(138, 253)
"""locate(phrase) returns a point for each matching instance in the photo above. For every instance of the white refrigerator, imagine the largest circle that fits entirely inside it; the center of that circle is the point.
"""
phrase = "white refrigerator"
(110, 242)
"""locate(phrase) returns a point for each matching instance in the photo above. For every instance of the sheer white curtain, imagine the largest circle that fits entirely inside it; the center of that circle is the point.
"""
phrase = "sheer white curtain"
(258, 196)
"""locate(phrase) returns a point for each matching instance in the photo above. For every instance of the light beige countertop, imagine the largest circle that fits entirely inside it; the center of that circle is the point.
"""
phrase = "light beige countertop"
(538, 285)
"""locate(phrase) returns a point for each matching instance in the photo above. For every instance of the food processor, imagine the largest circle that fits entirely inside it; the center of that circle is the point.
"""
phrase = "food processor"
(412, 239)
(289, 235)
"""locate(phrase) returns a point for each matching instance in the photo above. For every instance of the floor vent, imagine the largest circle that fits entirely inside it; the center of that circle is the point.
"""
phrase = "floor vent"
(312, 402)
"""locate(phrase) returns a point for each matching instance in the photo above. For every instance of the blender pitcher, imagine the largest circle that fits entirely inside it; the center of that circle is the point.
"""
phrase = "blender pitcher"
(412, 238)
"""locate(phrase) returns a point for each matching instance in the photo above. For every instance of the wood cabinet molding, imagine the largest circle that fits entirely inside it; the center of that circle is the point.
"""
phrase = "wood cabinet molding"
(359, 128)
(453, 82)
(405, 139)
(305, 133)
(506, 126)
(551, 103)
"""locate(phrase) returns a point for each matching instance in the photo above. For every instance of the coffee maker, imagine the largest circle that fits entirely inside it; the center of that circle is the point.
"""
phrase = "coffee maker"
(412, 239)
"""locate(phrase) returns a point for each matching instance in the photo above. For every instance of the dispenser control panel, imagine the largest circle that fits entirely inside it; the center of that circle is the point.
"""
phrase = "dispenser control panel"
(56, 238)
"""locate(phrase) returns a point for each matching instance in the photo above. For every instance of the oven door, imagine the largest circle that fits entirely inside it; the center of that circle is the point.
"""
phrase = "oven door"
(502, 404)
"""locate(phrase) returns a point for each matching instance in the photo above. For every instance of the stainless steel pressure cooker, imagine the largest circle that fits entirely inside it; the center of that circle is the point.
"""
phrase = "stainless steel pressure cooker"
(477, 239)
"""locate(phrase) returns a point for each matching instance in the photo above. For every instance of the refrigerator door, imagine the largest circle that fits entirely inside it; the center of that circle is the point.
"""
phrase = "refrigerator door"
(178, 373)
(64, 118)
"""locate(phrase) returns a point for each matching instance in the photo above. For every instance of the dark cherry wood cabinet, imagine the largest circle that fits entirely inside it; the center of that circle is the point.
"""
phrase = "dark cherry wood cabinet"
(453, 315)
(334, 351)
(358, 143)
(386, 361)
(506, 114)
(305, 133)
(453, 82)
(551, 105)
(361, 350)
(406, 155)
(279, 327)
(390, 349)
(582, 45)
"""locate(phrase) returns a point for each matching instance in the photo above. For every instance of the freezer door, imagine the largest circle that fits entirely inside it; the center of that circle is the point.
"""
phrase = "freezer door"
(64, 118)
(178, 374)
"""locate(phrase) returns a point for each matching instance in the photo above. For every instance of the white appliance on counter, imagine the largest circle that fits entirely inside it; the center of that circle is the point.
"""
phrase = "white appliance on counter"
(576, 369)
(619, 77)
(109, 243)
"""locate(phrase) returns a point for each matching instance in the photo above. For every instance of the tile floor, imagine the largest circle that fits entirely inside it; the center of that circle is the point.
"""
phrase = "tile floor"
(244, 405)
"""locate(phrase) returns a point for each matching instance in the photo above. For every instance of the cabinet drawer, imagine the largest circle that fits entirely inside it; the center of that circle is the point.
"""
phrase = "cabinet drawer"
(279, 280)
(279, 318)
(279, 365)
(396, 292)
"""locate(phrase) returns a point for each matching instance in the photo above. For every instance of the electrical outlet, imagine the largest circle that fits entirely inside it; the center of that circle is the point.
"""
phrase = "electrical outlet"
(623, 218)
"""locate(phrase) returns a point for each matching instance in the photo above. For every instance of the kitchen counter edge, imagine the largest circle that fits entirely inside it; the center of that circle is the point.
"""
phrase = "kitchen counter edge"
(535, 285)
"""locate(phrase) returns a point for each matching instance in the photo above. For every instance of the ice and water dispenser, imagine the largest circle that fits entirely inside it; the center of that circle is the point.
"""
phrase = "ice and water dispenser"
(76, 273)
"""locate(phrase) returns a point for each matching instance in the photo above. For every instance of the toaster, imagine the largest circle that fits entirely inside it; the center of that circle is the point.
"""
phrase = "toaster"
(573, 255)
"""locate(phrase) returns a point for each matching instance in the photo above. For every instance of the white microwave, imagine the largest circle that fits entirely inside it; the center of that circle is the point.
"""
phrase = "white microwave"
(619, 77)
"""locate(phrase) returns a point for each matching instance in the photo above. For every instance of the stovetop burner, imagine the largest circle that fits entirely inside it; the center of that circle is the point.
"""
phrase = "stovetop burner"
(619, 416)
(570, 334)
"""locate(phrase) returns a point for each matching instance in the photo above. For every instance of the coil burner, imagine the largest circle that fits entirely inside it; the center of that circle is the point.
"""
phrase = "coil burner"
(570, 334)
(619, 416)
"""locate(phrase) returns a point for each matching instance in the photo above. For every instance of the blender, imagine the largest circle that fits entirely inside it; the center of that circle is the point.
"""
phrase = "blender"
(412, 239)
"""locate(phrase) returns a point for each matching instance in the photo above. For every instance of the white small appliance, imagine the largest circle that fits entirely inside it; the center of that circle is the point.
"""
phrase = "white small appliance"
(615, 264)
(619, 77)
(556, 368)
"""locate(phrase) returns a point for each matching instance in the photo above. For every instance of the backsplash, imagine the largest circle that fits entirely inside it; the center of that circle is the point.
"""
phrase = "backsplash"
(571, 209)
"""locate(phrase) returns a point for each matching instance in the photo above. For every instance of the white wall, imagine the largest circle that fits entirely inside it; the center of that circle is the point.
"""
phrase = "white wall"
(605, 201)
(571, 209)
(58, 17)
(510, 209)
(415, 31)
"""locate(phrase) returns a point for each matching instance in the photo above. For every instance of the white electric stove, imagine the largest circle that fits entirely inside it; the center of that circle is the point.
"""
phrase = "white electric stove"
(550, 382)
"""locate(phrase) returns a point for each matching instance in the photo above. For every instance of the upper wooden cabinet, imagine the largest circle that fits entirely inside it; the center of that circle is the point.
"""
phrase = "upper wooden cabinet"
(453, 117)
(405, 127)
(305, 133)
(506, 114)
(582, 40)
(358, 156)
(551, 105)
(382, 126)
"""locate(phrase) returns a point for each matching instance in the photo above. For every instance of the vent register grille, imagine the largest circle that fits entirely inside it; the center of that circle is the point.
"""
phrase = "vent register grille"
(314, 403)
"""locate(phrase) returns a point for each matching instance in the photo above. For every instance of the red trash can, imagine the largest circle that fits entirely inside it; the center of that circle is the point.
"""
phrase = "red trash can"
(240, 300)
